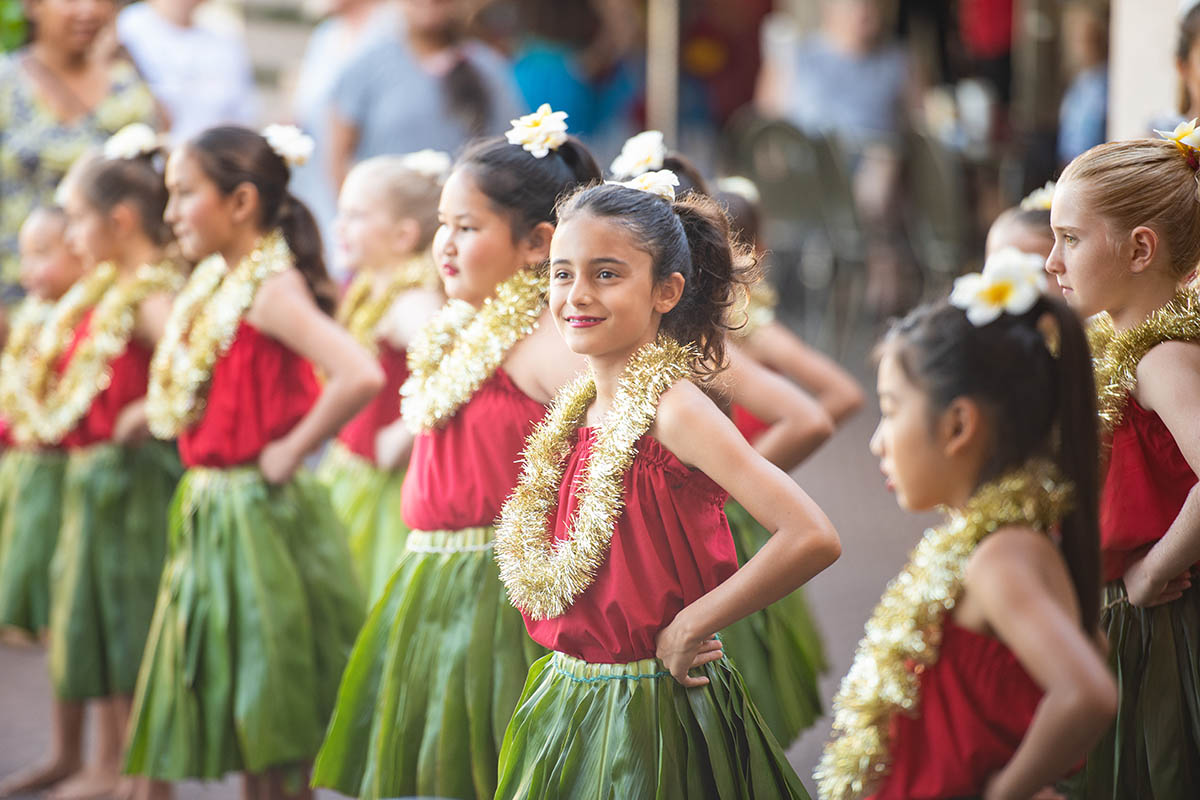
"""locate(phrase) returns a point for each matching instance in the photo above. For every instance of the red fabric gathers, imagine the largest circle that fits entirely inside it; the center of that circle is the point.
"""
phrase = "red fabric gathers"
(750, 426)
(260, 389)
(128, 375)
(1147, 482)
(977, 702)
(670, 546)
(461, 474)
(359, 434)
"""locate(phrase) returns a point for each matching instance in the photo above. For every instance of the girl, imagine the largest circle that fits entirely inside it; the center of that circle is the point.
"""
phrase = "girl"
(438, 667)
(31, 504)
(979, 674)
(1126, 223)
(386, 219)
(632, 465)
(258, 604)
(1025, 227)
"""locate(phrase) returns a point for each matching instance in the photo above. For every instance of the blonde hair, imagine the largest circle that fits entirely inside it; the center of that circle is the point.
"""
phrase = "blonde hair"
(410, 193)
(1144, 182)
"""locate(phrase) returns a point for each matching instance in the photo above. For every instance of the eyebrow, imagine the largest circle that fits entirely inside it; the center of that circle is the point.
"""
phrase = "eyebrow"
(593, 261)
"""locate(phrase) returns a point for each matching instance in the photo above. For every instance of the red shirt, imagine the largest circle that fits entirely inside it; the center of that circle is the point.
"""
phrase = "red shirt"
(1148, 479)
(259, 391)
(461, 474)
(670, 546)
(977, 701)
(750, 426)
(359, 434)
(128, 375)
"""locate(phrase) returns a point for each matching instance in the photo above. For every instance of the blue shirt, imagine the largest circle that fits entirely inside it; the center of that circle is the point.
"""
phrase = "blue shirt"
(1083, 115)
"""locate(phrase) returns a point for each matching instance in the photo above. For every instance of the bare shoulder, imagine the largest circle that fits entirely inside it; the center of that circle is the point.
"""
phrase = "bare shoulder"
(683, 410)
(1013, 558)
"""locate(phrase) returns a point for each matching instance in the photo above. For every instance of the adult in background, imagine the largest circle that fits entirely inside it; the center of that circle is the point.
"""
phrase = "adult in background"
(202, 76)
(351, 28)
(426, 86)
(60, 95)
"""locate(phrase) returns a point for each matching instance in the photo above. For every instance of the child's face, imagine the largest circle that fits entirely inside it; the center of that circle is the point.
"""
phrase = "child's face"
(1085, 259)
(48, 267)
(1009, 232)
(474, 247)
(89, 234)
(199, 215)
(602, 290)
(905, 442)
(365, 229)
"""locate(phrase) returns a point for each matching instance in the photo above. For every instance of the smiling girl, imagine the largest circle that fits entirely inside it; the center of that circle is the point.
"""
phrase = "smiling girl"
(1126, 219)
(631, 468)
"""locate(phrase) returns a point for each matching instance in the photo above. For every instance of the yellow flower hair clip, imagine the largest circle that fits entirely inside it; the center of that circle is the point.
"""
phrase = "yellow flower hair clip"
(1039, 199)
(661, 182)
(1011, 282)
(1187, 139)
(540, 132)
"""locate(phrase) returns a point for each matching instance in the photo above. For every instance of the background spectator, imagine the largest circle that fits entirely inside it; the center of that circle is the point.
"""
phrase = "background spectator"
(202, 77)
(1083, 115)
(57, 100)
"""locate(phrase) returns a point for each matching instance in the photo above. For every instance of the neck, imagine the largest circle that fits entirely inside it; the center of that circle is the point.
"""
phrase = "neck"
(181, 14)
(240, 246)
(137, 254)
(357, 14)
(608, 369)
(59, 60)
(1139, 305)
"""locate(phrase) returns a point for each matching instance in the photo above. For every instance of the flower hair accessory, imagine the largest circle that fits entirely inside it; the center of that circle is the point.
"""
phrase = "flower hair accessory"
(1187, 139)
(741, 186)
(133, 141)
(661, 183)
(540, 132)
(1011, 282)
(290, 143)
(644, 152)
(1039, 199)
(433, 164)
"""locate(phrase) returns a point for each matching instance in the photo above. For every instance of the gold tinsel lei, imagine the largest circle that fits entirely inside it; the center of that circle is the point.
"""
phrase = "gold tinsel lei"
(461, 348)
(26, 322)
(543, 578)
(904, 632)
(1115, 356)
(362, 308)
(202, 326)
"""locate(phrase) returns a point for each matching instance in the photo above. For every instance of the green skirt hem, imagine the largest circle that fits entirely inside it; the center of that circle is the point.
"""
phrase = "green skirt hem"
(31, 484)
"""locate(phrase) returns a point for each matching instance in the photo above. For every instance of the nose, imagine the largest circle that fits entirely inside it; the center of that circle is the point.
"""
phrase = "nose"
(579, 294)
(876, 443)
(169, 215)
(1054, 261)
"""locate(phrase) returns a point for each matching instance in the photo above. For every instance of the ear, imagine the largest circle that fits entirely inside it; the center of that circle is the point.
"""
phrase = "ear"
(535, 247)
(960, 426)
(406, 234)
(1144, 242)
(243, 203)
(668, 292)
(125, 220)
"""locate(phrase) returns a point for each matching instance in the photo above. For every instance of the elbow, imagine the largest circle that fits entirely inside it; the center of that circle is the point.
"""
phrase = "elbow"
(1092, 699)
(824, 546)
(848, 402)
(813, 430)
(367, 382)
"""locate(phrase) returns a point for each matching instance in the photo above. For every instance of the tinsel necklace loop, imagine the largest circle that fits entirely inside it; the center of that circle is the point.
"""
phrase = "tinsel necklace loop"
(904, 633)
(26, 322)
(461, 347)
(53, 402)
(203, 323)
(1115, 356)
(362, 308)
(543, 577)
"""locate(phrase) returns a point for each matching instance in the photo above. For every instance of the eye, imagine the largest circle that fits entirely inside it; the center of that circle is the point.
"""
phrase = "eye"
(1069, 239)
(605, 274)
(561, 275)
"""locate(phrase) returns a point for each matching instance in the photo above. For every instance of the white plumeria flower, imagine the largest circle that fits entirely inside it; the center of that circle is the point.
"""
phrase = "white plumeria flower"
(1039, 199)
(430, 163)
(661, 182)
(293, 145)
(641, 153)
(741, 186)
(1011, 282)
(1184, 133)
(132, 141)
(540, 132)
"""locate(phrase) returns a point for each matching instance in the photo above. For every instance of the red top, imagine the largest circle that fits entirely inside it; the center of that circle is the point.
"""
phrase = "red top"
(977, 701)
(1148, 479)
(986, 27)
(359, 433)
(461, 474)
(259, 391)
(670, 545)
(750, 426)
(128, 375)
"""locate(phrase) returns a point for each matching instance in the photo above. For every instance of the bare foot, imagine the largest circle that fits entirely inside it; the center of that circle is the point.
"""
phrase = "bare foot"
(126, 785)
(15, 637)
(89, 784)
(37, 778)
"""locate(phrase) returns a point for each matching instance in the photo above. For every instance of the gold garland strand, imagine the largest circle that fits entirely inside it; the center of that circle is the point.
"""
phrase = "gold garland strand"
(461, 348)
(26, 323)
(1116, 355)
(362, 308)
(202, 326)
(904, 633)
(543, 577)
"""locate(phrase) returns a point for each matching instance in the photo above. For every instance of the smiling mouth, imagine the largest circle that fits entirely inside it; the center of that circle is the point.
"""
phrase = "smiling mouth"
(582, 321)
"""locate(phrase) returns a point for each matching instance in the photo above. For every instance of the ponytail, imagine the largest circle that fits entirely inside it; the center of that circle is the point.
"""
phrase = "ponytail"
(303, 238)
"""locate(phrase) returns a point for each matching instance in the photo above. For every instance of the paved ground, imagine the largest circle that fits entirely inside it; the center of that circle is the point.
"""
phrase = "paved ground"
(843, 478)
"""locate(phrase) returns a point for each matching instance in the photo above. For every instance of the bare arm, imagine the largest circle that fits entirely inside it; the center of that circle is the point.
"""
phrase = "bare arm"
(798, 424)
(783, 351)
(149, 321)
(803, 541)
(541, 363)
(405, 318)
(284, 310)
(1019, 581)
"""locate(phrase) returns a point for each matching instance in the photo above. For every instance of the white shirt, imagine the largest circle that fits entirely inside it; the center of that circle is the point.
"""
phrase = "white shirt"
(202, 77)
